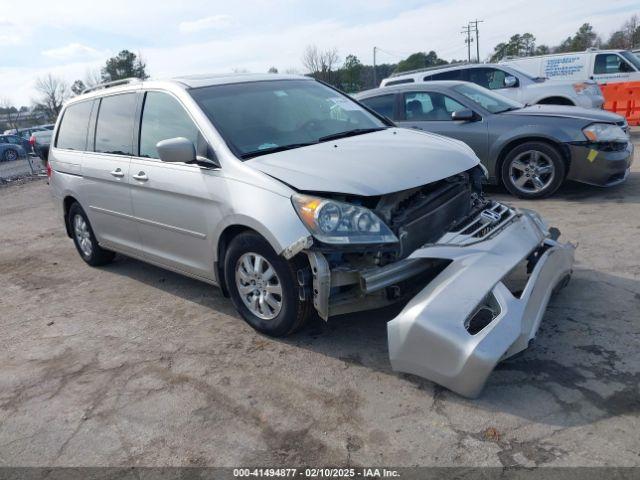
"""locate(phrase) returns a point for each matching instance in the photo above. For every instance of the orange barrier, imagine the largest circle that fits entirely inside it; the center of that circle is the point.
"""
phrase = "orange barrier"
(623, 99)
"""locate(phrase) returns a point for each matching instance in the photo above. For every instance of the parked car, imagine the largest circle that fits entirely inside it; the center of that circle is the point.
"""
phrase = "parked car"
(292, 198)
(10, 152)
(16, 140)
(531, 150)
(40, 142)
(510, 82)
(603, 66)
(27, 132)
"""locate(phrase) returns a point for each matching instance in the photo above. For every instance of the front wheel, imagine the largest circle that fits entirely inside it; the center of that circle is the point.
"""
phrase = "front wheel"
(263, 286)
(533, 170)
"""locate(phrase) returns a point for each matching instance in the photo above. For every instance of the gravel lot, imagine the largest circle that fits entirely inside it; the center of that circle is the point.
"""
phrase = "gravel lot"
(133, 365)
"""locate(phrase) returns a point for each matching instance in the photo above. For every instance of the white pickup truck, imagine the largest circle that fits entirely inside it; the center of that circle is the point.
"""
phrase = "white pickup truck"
(510, 82)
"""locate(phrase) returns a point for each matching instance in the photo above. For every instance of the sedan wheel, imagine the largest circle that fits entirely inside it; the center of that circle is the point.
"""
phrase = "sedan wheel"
(259, 286)
(10, 155)
(532, 172)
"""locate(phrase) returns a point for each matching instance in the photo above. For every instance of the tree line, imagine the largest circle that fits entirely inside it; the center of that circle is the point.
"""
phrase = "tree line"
(53, 91)
(350, 75)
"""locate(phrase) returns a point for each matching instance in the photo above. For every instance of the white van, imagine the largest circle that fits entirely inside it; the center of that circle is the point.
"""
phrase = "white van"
(603, 66)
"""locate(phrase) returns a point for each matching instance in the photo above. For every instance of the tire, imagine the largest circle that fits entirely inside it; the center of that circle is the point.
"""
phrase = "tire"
(277, 315)
(85, 240)
(10, 155)
(533, 170)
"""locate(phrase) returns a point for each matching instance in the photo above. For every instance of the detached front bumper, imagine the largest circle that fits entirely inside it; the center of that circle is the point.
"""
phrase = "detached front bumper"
(431, 337)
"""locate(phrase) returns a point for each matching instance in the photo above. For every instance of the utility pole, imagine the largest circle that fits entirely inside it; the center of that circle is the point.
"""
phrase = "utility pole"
(375, 81)
(467, 30)
(475, 27)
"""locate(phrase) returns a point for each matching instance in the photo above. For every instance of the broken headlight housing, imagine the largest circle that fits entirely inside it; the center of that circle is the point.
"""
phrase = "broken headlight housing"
(336, 222)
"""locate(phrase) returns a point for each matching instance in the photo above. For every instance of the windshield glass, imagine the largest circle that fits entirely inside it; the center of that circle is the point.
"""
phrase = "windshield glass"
(488, 100)
(632, 59)
(256, 118)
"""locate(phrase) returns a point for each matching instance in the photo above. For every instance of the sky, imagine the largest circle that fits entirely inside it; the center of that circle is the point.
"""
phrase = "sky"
(70, 38)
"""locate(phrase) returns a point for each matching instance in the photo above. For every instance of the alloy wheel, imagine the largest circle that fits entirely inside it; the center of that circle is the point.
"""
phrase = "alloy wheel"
(259, 286)
(83, 235)
(532, 171)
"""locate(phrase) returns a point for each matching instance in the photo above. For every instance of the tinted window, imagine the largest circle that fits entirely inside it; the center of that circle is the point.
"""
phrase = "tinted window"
(14, 140)
(382, 104)
(114, 128)
(399, 82)
(451, 75)
(429, 106)
(72, 133)
(257, 117)
(491, 78)
(610, 63)
(162, 118)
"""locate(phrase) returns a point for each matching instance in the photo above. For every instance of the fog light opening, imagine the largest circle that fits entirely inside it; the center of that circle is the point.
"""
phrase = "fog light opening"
(486, 312)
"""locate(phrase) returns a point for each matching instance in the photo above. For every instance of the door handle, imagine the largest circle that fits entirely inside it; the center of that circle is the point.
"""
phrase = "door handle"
(141, 177)
(117, 173)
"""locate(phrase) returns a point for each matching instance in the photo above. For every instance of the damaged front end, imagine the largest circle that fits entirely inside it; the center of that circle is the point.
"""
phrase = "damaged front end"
(477, 276)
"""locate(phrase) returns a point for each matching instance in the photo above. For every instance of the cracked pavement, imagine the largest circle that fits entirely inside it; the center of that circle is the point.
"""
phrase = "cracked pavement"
(132, 365)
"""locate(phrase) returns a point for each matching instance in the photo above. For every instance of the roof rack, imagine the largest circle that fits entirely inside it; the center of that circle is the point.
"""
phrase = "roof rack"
(428, 69)
(113, 83)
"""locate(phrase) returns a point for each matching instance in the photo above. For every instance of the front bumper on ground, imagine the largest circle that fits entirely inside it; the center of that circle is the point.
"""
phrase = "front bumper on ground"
(599, 167)
(429, 338)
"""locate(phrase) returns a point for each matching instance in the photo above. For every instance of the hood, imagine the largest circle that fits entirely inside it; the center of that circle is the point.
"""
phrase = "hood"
(566, 111)
(375, 163)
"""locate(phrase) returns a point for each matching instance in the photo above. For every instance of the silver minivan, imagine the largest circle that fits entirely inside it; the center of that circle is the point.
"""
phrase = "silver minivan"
(297, 201)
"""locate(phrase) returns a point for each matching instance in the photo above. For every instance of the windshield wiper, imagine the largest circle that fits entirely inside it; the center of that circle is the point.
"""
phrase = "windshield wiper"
(349, 133)
(279, 148)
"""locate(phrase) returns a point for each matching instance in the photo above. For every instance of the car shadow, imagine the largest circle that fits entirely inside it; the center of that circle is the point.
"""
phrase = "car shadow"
(570, 191)
(584, 364)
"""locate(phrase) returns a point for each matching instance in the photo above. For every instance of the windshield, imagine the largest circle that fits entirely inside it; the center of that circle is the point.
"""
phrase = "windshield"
(487, 99)
(256, 118)
(632, 59)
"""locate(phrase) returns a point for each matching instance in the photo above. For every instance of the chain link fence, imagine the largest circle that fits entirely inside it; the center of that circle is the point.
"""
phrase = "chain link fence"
(22, 167)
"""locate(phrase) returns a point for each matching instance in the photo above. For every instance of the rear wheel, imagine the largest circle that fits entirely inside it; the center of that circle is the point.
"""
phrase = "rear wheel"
(85, 240)
(533, 170)
(263, 286)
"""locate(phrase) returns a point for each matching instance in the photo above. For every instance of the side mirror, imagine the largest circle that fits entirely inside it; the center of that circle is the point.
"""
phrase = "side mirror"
(464, 115)
(177, 149)
(510, 81)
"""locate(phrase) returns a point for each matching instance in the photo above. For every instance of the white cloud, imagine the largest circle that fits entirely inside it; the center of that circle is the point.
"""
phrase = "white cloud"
(72, 51)
(207, 23)
(275, 32)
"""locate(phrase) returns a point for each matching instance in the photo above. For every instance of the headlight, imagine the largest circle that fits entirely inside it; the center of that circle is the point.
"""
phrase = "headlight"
(331, 221)
(604, 132)
(586, 88)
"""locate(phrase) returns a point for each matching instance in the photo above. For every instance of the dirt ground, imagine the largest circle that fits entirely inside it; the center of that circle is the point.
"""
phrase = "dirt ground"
(133, 365)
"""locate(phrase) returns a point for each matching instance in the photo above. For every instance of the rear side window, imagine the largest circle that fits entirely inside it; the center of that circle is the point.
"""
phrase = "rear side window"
(382, 104)
(450, 75)
(399, 82)
(72, 133)
(114, 128)
(162, 118)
